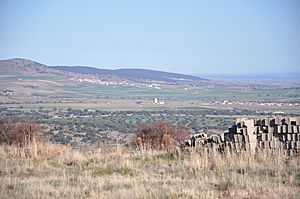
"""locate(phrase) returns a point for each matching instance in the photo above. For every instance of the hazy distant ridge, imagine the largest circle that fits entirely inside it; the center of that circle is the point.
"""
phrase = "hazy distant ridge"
(132, 74)
(27, 67)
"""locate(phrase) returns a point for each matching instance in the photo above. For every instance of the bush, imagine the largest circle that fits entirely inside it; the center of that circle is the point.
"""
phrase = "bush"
(14, 131)
(159, 135)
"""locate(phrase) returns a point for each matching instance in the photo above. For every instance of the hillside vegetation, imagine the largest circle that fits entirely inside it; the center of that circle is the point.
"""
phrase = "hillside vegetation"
(45, 170)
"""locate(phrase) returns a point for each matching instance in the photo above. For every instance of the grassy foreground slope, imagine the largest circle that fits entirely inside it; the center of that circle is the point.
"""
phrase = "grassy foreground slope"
(44, 170)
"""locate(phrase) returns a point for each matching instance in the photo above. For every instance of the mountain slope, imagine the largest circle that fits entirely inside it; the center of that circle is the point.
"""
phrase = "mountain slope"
(27, 67)
(132, 74)
(19, 66)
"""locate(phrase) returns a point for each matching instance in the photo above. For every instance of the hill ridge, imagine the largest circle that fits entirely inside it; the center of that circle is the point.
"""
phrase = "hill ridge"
(21, 66)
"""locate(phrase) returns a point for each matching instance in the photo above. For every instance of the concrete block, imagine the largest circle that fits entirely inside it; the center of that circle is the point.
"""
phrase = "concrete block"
(289, 137)
(284, 129)
(258, 130)
(215, 139)
(228, 137)
(226, 144)
(281, 145)
(284, 145)
(280, 129)
(247, 147)
(239, 130)
(245, 131)
(222, 138)
(232, 130)
(241, 140)
(246, 138)
(275, 129)
(294, 129)
(259, 138)
(236, 138)
(264, 137)
(289, 145)
(277, 121)
(294, 137)
(270, 136)
(257, 122)
(297, 145)
(263, 122)
(259, 144)
(289, 128)
(265, 144)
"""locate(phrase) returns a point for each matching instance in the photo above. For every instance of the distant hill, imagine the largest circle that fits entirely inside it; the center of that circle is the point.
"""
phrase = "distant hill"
(132, 74)
(19, 66)
(27, 67)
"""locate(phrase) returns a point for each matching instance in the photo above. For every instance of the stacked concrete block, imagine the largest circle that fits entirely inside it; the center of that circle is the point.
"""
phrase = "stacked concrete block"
(280, 135)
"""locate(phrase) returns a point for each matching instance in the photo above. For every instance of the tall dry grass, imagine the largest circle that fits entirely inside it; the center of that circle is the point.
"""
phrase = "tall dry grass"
(45, 170)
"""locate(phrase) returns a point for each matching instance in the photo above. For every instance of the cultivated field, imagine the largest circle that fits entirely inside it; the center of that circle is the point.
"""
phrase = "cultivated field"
(44, 170)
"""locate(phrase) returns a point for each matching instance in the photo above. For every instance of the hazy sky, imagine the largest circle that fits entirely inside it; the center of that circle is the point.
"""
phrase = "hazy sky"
(225, 36)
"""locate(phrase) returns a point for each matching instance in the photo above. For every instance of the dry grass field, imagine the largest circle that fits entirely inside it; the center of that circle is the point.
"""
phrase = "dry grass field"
(45, 170)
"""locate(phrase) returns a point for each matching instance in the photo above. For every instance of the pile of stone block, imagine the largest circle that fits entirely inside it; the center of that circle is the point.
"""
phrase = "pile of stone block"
(271, 134)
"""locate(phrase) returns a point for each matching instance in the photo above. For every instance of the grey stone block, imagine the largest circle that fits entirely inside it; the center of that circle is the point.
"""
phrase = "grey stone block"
(284, 129)
(275, 128)
(222, 138)
(289, 145)
(270, 136)
(280, 129)
(265, 144)
(271, 130)
(289, 129)
(236, 138)
(246, 138)
(297, 145)
(264, 136)
(294, 129)
(241, 140)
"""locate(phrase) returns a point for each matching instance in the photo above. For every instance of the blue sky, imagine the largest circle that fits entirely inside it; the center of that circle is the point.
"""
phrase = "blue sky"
(230, 37)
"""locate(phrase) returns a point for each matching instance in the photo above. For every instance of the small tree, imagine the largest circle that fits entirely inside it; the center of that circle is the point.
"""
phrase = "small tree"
(159, 135)
(14, 131)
